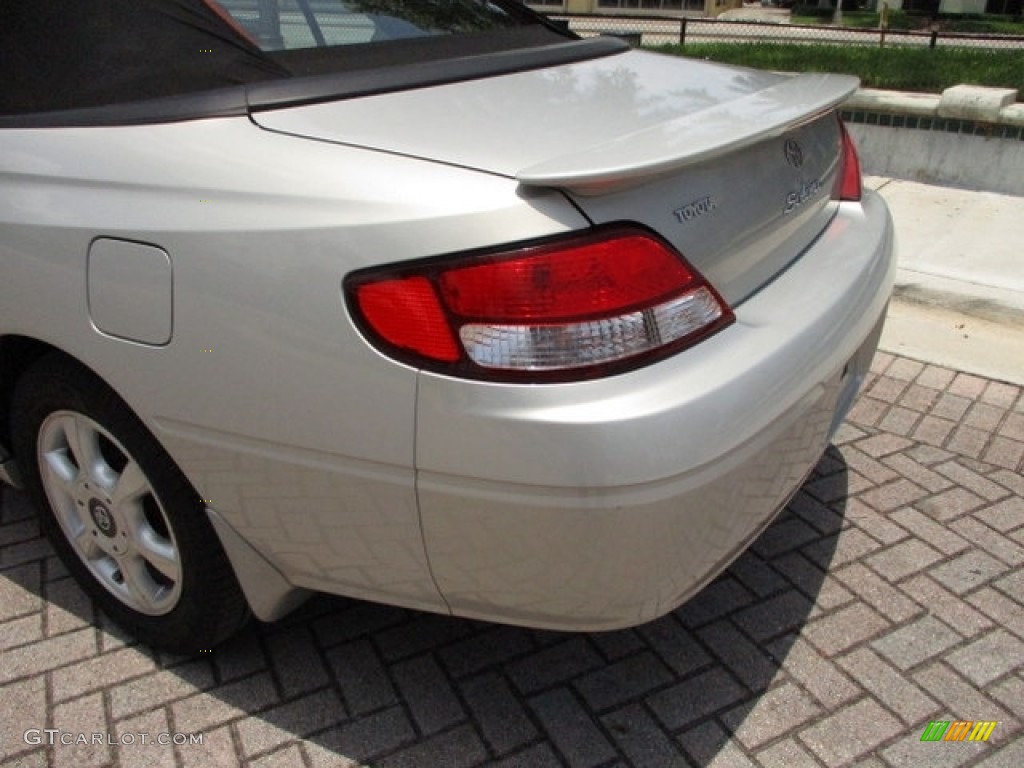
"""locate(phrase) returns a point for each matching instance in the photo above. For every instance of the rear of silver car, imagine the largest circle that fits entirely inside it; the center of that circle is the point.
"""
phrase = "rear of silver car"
(606, 503)
(576, 500)
(544, 334)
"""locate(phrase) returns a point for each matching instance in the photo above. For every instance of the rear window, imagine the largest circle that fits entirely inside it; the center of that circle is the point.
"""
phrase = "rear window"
(298, 24)
(61, 55)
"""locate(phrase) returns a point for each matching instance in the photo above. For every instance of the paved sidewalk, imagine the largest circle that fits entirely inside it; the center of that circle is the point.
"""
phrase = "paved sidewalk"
(960, 285)
(889, 594)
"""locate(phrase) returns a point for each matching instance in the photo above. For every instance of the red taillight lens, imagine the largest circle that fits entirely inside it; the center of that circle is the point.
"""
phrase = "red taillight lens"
(406, 313)
(594, 278)
(850, 185)
(569, 308)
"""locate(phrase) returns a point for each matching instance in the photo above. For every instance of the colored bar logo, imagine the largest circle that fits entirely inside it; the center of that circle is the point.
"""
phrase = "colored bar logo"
(958, 730)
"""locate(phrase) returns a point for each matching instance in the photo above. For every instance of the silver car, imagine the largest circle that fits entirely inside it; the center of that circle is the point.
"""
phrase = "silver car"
(432, 304)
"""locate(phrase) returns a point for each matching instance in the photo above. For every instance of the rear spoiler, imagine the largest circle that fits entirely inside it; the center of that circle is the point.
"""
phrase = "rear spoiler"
(661, 149)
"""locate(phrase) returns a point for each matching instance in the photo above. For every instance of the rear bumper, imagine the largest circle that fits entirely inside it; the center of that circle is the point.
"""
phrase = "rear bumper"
(604, 504)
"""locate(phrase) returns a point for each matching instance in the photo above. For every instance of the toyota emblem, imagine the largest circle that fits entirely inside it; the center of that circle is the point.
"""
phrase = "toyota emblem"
(794, 155)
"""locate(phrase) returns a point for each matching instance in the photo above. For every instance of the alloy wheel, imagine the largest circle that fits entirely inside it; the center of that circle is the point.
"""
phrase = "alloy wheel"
(109, 512)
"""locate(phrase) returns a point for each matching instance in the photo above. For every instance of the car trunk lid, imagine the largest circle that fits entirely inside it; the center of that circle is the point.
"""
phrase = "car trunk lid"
(734, 167)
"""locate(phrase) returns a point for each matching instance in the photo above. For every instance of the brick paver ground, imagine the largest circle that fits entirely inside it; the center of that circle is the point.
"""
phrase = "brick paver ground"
(890, 593)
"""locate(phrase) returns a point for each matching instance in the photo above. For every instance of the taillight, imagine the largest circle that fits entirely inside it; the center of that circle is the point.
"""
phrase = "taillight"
(569, 308)
(849, 171)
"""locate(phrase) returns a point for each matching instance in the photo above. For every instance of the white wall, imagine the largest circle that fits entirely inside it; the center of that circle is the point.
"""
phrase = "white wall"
(938, 157)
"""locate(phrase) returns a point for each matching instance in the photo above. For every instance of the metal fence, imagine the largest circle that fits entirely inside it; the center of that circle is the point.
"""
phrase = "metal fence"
(662, 30)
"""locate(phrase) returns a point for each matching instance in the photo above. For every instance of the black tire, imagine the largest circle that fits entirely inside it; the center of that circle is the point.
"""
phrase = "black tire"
(120, 514)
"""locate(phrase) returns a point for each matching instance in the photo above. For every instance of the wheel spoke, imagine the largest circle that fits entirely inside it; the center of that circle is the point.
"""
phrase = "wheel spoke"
(86, 545)
(58, 472)
(58, 457)
(159, 553)
(131, 484)
(83, 442)
(138, 582)
(59, 469)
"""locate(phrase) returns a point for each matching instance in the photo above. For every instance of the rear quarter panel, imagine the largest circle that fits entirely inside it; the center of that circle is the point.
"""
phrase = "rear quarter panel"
(283, 418)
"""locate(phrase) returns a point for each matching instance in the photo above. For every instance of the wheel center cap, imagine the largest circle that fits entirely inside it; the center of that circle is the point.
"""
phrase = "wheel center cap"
(103, 519)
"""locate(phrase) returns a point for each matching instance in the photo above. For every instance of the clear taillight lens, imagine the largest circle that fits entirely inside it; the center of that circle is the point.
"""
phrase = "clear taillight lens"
(850, 182)
(568, 308)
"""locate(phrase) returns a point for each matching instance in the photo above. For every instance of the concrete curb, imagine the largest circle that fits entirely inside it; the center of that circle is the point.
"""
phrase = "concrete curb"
(969, 136)
(995, 106)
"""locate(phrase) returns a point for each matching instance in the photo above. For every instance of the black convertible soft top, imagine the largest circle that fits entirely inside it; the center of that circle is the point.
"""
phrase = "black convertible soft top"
(59, 55)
